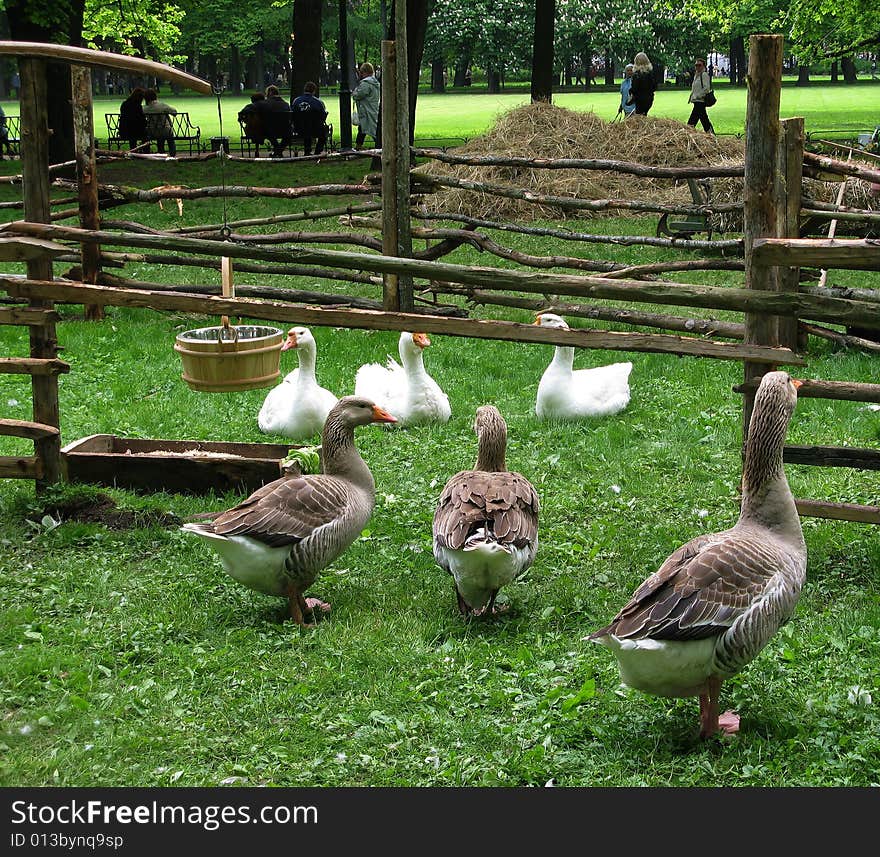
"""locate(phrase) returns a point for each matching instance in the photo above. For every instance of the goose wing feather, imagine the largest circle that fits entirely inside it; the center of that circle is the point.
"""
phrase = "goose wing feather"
(701, 589)
(288, 510)
(507, 500)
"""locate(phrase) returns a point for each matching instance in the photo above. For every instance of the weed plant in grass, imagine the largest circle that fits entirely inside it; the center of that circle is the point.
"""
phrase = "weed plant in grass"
(129, 658)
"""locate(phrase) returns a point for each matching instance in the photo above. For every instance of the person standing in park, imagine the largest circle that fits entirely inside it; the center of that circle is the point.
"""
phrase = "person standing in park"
(309, 119)
(366, 98)
(641, 92)
(278, 120)
(702, 84)
(626, 107)
(132, 122)
(158, 120)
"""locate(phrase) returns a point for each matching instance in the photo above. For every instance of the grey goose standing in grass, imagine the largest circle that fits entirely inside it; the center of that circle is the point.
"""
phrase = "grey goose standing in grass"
(280, 537)
(719, 599)
(485, 531)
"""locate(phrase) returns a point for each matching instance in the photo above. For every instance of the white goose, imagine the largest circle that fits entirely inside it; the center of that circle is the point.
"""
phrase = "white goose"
(278, 539)
(719, 599)
(485, 531)
(407, 391)
(298, 406)
(564, 393)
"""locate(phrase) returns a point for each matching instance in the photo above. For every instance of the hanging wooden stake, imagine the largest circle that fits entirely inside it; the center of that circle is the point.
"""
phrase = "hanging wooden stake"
(228, 287)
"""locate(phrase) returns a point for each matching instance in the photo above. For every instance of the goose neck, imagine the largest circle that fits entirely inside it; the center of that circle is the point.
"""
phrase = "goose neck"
(306, 355)
(563, 357)
(413, 361)
(340, 456)
(491, 452)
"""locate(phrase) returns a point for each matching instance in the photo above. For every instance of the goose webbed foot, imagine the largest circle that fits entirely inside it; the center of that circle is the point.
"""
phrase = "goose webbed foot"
(302, 608)
(710, 721)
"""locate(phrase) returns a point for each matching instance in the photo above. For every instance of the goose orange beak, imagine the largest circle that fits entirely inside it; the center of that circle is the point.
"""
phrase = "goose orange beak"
(290, 342)
(421, 339)
(798, 383)
(537, 319)
(380, 415)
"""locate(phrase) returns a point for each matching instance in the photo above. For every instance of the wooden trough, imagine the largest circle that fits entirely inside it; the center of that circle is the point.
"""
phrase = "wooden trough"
(176, 466)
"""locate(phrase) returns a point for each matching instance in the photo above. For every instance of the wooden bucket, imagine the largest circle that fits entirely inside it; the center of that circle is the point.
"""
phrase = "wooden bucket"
(227, 359)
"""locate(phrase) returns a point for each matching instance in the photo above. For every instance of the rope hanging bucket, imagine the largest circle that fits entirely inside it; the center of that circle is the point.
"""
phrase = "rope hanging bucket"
(229, 358)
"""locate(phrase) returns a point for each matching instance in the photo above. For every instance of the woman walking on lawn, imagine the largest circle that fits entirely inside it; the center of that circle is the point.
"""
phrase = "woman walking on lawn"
(701, 85)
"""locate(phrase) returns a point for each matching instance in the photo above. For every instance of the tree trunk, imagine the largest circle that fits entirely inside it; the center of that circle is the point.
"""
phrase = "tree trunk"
(438, 75)
(493, 81)
(609, 68)
(849, 70)
(23, 28)
(461, 67)
(542, 51)
(416, 27)
(235, 71)
(834, 71)
(803, 75)
(306, 63)
(737, 61)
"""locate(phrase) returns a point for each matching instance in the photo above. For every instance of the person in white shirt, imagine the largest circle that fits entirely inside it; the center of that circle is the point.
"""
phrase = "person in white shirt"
(702, 84)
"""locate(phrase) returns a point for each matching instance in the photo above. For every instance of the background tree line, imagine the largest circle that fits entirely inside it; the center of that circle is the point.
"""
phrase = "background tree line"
(246, 46)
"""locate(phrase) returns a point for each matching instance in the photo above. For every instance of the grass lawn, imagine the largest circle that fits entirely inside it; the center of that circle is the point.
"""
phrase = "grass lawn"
(129, 658)
(464, 115)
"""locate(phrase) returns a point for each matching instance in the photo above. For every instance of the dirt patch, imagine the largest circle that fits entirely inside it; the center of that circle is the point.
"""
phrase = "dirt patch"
(102, 509)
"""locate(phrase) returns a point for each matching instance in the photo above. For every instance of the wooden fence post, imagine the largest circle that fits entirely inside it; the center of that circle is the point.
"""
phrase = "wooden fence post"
(788, 196)
(761, 205)
(86, 177)
(35, 184)
(390, 282)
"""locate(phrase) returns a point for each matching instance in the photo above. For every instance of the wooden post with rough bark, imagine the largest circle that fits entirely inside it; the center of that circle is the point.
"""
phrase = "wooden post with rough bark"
(761, 205)
(788, 198)
(390, 290)
(35, 183)
(86, 177)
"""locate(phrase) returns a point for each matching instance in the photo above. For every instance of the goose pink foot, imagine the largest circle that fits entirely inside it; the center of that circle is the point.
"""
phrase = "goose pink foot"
(317, 604)
(728, 722)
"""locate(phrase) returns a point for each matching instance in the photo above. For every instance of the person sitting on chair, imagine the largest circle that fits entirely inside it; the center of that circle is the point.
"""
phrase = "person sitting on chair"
(158, 117)
(309, 119)
(278, 116)
(251, 118)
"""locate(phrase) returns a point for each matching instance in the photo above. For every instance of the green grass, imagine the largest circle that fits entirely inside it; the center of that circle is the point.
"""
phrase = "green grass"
(457, 115)
(128, 657)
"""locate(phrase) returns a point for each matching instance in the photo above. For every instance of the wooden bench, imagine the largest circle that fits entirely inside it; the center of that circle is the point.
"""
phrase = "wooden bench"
(246, 142)
(184, 131)
(13, 128)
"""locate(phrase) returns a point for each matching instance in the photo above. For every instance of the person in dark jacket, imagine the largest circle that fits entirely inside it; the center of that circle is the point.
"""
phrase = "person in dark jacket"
(641, 91)
(132, 122)
(278, 121)
(309, 119)
(251, 118)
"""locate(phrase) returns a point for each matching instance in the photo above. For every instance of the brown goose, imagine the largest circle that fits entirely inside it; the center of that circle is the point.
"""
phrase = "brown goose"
(719, 599)
(278, 539)
(486, 521)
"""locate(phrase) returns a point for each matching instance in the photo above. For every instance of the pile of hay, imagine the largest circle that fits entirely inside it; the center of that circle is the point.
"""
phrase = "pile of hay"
(546, 131)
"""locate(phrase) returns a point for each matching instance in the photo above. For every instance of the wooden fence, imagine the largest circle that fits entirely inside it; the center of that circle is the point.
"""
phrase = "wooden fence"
(771, 300)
